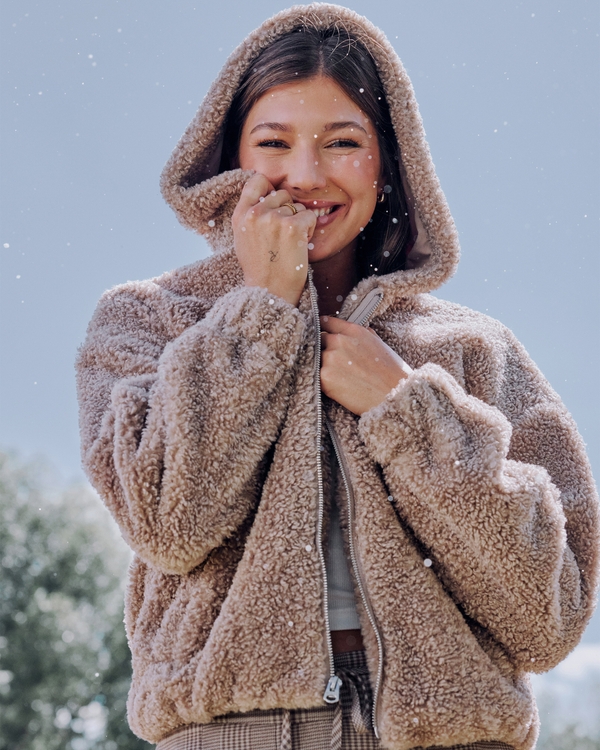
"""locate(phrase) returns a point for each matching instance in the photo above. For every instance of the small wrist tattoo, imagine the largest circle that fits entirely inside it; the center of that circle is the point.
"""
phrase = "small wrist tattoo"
(274, 255)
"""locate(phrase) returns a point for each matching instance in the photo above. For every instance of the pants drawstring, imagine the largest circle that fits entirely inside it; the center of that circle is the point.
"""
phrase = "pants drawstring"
(286, 731)
(356, 680)
(336, 728)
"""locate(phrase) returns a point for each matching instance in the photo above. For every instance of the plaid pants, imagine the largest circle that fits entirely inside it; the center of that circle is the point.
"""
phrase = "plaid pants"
(344, 726)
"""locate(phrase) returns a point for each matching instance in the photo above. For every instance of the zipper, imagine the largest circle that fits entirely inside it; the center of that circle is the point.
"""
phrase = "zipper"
(357, 572)
(361, 316)
(366, 308)
(332, 690)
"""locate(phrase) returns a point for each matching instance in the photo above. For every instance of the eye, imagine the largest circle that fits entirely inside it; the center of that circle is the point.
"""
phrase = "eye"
(272, 144)
(345, 143)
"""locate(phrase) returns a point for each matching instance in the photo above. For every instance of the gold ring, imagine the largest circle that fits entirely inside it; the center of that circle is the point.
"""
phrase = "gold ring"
(289, 204)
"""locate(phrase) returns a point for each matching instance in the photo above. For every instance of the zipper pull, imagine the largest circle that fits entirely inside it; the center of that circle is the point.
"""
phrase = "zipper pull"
(332, 691)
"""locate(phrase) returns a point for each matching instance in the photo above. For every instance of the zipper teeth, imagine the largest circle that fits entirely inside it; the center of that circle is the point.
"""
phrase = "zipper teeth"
(315, 309)
(366, 317)
(353, 559)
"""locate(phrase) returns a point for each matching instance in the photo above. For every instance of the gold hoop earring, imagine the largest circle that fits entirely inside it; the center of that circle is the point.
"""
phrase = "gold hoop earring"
(381, 197)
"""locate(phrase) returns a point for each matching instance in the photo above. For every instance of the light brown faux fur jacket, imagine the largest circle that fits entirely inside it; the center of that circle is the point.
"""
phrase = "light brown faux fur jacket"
(475, 515)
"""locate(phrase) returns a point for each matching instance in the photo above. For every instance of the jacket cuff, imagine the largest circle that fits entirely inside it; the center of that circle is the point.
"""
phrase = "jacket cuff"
(258, 316)
(430, 417)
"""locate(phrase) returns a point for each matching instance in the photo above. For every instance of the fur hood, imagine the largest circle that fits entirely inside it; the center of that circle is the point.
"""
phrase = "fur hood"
(467, 493)
(204, 199)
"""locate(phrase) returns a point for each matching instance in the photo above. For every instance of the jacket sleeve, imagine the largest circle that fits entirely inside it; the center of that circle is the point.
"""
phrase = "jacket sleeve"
(174, 431)
(501, 497)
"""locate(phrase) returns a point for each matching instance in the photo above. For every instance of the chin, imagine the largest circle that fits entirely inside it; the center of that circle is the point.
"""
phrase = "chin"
(323, 252)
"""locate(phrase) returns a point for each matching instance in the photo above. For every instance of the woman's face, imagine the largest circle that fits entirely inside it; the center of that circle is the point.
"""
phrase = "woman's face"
(311, 139)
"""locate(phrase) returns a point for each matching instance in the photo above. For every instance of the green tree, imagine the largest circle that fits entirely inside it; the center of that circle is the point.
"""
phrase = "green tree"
(64, 660)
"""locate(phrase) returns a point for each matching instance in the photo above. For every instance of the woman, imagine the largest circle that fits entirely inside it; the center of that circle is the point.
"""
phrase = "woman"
(333, 548)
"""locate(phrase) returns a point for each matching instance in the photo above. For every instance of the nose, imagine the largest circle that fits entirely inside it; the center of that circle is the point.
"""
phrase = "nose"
(305, 173)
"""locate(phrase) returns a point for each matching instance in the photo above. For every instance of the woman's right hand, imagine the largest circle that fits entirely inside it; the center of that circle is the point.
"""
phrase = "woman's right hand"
(272, 244)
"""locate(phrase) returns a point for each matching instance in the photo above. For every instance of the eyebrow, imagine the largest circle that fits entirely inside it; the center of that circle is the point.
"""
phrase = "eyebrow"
(284, 128)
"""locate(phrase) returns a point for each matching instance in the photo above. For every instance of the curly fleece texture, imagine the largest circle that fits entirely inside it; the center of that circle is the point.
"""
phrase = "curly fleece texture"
(199, 430)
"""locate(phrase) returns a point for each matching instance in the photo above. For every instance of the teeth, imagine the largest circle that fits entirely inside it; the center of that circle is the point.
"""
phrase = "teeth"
(322, 211)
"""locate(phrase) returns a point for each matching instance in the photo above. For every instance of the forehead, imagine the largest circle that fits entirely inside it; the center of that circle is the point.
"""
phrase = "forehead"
(316, 100)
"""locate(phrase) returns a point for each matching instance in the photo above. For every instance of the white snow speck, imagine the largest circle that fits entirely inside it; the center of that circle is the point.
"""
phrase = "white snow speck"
(271, 301)
(291, 624)
(387, 188)
(457, 462)
(356, 163)
(308, 548)
(354, 297)
(18, 276)
(362, 91)
(349, 362)
(415, 720)
(386, 253)
(243, 229)
(339, 298)
(6, 245)
(211, 222)
(394, 220)
(427, 562)
(391, 498)
(90, 57)
(310, 247)
(261, 199)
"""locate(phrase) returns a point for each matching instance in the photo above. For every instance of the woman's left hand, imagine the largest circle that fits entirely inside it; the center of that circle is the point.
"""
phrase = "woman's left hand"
(358, 369)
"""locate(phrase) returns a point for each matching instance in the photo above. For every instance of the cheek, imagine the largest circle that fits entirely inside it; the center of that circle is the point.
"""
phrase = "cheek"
(249, 159)
(358, 176)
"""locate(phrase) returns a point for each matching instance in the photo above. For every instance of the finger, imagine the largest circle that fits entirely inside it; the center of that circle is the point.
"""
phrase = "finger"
(257, 187)
(286, 209)
(331, 341)
(305, 219)
(276, 198)
(333, 324)
(298, 206)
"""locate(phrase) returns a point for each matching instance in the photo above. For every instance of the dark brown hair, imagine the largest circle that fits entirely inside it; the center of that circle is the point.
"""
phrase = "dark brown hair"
(305, 53)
